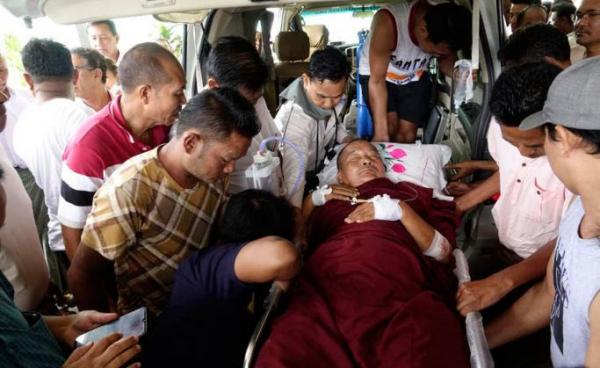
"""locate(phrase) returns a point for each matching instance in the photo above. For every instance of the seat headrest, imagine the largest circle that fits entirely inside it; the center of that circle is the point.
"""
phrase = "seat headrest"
(292, 46)
(318, 35)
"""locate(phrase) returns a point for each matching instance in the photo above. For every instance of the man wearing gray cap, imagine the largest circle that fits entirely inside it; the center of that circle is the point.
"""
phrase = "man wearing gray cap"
(569, 294)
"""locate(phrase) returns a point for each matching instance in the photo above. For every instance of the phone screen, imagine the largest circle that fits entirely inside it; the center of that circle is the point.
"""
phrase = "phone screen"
(130, 324)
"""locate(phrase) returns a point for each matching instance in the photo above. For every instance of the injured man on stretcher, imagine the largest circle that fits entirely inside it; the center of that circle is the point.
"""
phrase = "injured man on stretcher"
(377, 288)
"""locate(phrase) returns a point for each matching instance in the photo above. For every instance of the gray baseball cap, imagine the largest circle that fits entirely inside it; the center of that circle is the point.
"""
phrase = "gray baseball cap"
(573, 99)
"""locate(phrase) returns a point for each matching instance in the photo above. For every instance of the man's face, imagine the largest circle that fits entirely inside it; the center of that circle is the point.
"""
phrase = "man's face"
(530, 143)
(360, 163)
(89, 80)
(563, 23)
(324, 94)
(533, 15)
(166, 100)
(513, 15)
(587, 27)
(211, 160)
(102, 39)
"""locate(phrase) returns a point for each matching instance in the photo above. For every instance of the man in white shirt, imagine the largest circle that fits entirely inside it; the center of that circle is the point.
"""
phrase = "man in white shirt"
(104, 38)
(15, 101)
(404, 37)
(48, 124)
(90, 88)
(234, 62)
(309, 120)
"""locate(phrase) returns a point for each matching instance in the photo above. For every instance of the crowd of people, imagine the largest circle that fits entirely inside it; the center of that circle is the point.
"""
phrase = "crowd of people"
(118, 189)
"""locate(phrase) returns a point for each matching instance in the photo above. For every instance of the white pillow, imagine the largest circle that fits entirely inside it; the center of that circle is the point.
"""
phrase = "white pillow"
(421, 164)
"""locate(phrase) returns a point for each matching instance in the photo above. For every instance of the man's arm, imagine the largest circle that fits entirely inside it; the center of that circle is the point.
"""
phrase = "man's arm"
(88, 276)
(111, 351)
(267, 259)
(592, 358)
(478, 295)
(71, 237)
(380, 50)
(482, 192)
(466, 168)
(528, 314)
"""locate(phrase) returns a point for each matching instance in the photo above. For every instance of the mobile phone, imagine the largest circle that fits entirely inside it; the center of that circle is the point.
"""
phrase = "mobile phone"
(130, 324)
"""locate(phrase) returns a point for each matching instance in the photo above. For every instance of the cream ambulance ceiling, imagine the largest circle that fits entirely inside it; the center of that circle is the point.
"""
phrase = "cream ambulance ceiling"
(79, 11)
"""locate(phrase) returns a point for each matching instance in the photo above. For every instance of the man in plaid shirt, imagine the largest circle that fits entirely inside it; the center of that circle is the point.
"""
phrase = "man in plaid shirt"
(160, 206)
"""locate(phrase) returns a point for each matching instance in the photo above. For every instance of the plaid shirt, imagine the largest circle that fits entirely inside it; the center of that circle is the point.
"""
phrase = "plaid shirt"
(147, 224)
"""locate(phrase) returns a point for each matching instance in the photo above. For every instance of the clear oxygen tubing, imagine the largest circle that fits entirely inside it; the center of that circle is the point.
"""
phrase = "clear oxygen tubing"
(480, 351)
(263, 146)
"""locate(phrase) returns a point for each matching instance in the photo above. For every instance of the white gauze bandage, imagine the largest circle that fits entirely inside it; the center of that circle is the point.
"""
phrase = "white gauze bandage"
(439, 248)
(386, 208)
(318, 195)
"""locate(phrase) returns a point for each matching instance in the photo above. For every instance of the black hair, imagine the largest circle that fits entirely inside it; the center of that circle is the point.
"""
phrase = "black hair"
(533, 44)
(146, 63)
(547, 5)
(93, 59)
(590, 138)
(252, 214)
(450, 24)
(111, 66)
(564, 9)
(521, 91)
(47, 60)
(1, 173)
(109, 23)
(217, 113)
(234, 62)
(328, 64)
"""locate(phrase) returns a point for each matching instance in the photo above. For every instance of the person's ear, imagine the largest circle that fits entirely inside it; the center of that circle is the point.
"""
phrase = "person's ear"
(98, 74)
(144, 91)
(192, 141)
(306, 80)
(29, 81)
(340, 178)
(212, 83)
(567, 141)
(75, 76)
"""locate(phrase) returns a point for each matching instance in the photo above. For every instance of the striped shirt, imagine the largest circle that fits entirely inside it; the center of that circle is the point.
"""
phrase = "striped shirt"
(146, 223)
(101, 145)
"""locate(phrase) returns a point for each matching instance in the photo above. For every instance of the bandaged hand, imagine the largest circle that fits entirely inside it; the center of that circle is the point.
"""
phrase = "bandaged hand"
(439, 248)
(318, 196)
(325, 193)
(377, 208)
(386, 208)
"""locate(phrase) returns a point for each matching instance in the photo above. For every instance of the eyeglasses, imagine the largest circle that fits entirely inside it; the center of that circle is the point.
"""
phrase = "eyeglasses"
(589, 14)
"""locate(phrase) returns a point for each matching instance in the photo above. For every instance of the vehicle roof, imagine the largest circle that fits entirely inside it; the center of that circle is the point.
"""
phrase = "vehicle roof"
(79, 11)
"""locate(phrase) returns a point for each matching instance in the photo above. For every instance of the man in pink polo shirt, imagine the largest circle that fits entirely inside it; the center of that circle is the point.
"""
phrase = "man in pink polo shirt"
(153, 82)
(532, 198)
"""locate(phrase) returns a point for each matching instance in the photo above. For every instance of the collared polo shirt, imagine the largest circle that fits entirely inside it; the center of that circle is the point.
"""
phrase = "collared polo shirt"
(102, 144)
(146, 223)
(532, 199)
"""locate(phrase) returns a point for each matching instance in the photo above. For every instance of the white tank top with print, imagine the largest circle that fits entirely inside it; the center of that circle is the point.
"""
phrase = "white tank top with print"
(408, 62)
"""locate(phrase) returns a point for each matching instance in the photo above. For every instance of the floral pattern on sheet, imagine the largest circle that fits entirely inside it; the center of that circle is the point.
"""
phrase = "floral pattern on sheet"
(392, 157)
